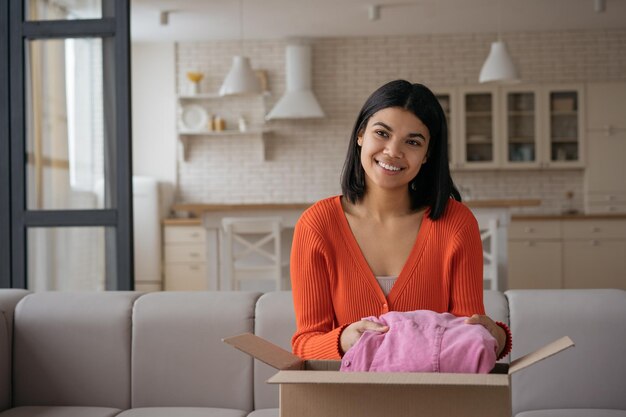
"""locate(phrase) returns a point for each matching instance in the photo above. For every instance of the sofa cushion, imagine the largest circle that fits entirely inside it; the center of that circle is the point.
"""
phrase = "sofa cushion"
(73, 349)
(276, 322)
(39, 411)
(592, 374)
(268, 412)
(8, 300)
(182, 412)
(573, 413)
(179, 359)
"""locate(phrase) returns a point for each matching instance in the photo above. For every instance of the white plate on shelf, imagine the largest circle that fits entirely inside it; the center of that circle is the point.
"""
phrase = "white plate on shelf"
(194, 118)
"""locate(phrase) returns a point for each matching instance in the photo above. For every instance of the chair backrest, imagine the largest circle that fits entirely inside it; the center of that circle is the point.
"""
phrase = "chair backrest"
(489, 237)
(253, 249)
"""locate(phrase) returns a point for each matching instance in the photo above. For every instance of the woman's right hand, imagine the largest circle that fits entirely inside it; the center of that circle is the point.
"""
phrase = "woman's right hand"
(353, 332)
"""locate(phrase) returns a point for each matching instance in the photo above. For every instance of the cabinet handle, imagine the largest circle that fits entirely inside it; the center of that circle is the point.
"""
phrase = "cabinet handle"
(595, 229)
(595, 242)
(194, 254)
(529, 229)
(529, 243)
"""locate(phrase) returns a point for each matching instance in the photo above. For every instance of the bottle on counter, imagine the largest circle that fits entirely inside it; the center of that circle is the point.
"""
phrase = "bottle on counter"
(219, 124)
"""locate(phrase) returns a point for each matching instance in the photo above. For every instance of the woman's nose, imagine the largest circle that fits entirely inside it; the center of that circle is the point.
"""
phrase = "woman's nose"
(392, 149)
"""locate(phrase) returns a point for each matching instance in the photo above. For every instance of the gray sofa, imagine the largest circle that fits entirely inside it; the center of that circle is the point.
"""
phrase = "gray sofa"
(129, 354)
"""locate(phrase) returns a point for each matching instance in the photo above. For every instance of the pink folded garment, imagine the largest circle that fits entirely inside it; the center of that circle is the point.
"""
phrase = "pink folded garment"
(423, 341)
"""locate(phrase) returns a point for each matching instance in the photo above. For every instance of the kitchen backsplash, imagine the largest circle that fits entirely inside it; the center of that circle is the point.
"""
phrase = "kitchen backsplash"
(303, 158)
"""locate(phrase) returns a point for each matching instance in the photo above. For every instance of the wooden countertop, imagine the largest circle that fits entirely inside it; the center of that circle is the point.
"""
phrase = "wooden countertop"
(172, 221)
(201, 207)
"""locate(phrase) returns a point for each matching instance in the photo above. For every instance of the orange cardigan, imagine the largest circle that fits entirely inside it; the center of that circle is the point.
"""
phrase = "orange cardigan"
(333, 286)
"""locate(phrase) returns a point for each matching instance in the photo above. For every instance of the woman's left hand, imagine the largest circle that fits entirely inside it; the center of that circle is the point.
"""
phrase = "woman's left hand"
(495, 330)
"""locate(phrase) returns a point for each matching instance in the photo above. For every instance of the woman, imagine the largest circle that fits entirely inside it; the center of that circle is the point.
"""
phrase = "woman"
(395, 240)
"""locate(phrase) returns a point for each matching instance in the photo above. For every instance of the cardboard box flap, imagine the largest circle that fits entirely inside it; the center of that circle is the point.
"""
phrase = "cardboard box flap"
(265, 351)
(540, 354)
(389, 378)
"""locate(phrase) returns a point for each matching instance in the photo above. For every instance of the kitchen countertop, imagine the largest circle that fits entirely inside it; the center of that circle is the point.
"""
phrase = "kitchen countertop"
(196, 210)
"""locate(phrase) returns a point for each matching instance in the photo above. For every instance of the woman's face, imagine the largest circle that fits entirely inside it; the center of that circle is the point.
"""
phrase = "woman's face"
(393, 148)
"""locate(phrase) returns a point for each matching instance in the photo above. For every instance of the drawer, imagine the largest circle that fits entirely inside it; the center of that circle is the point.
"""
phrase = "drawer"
(594, 229)
(185, 253)
(606, 198)
(186, 277)
(184, 234)
(602, 208)
(524, 230)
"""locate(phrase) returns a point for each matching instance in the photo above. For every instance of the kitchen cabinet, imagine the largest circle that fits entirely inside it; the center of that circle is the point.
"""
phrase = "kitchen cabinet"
(594, 254)
(567, 253)
(478, 127)
(185, 259)
(535, 255)
(199, 119)
(515, 127)
(604, 184)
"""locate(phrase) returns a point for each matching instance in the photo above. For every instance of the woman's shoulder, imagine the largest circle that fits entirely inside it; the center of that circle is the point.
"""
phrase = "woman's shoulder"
(456, 216)
(322, 214)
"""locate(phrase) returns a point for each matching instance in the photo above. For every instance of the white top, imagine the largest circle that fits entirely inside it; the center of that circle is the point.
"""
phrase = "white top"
(386, 283)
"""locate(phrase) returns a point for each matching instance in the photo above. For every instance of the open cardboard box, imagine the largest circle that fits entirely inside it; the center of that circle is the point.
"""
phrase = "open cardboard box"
(315, 388)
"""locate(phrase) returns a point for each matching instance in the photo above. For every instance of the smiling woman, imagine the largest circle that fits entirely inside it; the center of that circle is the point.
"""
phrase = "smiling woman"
(397, 240)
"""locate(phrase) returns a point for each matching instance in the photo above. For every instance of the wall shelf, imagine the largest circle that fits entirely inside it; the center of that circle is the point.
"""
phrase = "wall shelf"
(185, 138)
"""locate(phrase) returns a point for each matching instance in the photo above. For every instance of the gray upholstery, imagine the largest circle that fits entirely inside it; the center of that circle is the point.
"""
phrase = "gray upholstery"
(592, 375)
(573, 413)
(275, 321)
(40, 411)
(182, 412)
(105, 354)
(268, 412)
(8, 300)
(179, 359)
(73, 349)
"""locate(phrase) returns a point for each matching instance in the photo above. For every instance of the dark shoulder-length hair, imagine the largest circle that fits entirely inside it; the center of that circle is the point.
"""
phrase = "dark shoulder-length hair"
(433, 186)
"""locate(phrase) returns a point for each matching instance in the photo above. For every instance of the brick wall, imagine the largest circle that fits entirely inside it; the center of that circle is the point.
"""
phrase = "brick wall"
(304, 158)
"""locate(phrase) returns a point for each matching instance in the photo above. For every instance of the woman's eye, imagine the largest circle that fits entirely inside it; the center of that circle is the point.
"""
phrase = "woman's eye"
(413, 142)
(381, 133)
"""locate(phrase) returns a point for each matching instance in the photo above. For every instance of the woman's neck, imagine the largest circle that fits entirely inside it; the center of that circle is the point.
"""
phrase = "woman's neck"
(383, 204)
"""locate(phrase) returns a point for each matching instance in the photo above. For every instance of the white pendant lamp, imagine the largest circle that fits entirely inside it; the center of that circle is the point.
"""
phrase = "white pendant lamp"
(241, 79)
(499, 67)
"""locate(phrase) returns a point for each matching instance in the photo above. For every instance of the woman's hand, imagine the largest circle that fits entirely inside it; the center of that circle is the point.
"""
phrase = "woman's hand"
(353, 332)
(495, 330)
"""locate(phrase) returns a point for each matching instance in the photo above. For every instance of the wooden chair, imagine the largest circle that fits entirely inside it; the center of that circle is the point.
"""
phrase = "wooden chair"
(253, 250)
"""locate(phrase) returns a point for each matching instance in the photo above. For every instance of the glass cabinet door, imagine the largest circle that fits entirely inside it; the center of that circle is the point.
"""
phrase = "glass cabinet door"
(520, 128)
(564, 127)
(478, 128)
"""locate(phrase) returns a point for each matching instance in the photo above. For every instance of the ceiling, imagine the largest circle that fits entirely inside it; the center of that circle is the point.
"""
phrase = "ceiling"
(191, 20)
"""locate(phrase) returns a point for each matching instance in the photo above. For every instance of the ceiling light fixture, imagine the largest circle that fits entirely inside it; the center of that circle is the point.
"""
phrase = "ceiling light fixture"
(499, 67)
(241, 79)
(599, 6)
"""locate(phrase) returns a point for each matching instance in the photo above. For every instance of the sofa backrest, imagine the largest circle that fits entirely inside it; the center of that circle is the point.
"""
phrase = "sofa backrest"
(8, 300)
(178, 357)
(592, 374)
(275, 321)
(73, 349)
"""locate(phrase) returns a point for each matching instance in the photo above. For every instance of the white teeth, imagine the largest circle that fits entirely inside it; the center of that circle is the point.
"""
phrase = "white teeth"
(388, 167)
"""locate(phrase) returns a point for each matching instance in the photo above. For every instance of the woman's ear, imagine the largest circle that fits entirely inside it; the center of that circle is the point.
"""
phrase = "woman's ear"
(359, 139)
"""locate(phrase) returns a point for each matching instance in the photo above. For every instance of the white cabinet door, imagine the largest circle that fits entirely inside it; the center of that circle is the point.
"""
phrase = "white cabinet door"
(564, 128)
(593, 263)
(606, 106)
(535, 264)
(521, 133)
(478, 128)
